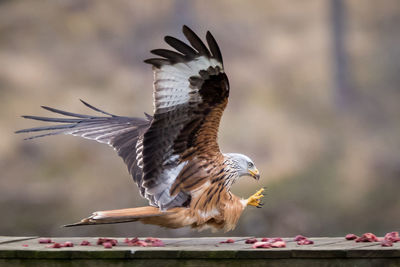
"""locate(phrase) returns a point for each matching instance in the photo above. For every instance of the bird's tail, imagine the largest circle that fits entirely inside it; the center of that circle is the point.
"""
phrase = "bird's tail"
(120, 216)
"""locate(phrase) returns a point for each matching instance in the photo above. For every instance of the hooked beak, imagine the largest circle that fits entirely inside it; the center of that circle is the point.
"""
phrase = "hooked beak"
(255, 174)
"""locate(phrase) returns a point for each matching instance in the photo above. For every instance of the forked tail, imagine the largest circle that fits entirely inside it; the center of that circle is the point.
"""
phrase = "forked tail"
(120, 216)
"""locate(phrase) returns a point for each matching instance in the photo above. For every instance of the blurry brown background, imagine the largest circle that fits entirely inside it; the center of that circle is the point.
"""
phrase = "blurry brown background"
(315, 101)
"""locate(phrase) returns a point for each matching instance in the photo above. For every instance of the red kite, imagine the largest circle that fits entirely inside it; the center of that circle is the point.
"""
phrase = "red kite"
(173, 156)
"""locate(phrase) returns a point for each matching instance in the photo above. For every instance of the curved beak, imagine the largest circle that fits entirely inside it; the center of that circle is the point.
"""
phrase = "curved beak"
(255, 174)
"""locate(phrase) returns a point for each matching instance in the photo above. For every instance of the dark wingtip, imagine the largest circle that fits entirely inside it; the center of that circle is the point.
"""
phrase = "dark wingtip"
(195, 41)
(187, 31)
(153, 62)
(214, 48)
(157, 62)
(181, 47)
(96, 109)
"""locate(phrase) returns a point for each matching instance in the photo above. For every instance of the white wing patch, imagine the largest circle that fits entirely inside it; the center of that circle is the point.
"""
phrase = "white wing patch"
(171, 83)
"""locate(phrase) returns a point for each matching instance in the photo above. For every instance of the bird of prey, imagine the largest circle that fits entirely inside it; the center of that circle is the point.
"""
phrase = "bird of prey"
(173, 156)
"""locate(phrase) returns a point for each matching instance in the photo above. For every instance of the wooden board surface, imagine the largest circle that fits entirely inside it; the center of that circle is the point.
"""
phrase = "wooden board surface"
(209, 247)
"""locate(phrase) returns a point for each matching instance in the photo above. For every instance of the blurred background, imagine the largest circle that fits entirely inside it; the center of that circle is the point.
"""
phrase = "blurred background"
(315, 101)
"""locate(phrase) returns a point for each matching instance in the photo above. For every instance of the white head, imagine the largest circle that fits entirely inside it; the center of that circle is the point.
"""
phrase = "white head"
(243, 165)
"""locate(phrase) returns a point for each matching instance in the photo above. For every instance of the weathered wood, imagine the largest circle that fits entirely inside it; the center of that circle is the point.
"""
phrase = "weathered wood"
(26, 251)
(9, 239)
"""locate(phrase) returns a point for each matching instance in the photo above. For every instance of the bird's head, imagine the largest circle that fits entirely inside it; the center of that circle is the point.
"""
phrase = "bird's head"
(244, 165)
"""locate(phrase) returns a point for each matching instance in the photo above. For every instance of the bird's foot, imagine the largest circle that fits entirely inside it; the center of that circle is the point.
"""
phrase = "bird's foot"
(255, 200)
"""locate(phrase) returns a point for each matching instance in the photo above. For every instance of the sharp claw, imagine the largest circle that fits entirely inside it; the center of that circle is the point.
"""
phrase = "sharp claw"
(254, 200)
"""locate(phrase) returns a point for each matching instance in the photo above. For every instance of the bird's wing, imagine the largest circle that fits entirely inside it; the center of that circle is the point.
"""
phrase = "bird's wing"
(122, 133)
(191, 91)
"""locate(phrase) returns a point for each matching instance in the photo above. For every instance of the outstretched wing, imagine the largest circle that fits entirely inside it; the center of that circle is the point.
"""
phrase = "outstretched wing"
(122, 133)
(191, 91)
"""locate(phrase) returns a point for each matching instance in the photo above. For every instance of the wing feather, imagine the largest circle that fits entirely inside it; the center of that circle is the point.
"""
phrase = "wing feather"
(122, 133)
(172, 56)
(156, 62)
(195, 41)
(180, 46)
(190, 94)
(216, 52)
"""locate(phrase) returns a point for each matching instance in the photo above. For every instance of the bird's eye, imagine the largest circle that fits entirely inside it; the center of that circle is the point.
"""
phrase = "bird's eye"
(250, 165)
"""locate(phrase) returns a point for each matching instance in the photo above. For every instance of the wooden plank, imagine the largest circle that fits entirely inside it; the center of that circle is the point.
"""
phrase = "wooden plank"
(200, 262)
(375, 250)
(9, 239)
(196, 248)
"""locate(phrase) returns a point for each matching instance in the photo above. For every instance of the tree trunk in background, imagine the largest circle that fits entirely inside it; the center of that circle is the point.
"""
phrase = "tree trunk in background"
(343, 95)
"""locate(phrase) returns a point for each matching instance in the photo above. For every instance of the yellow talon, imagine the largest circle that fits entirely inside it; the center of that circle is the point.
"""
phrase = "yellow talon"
(254, 200)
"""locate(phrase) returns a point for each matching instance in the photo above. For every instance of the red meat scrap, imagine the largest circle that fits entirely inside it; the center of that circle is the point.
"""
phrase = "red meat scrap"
(67, 244)
(251, 241)
(85, 243)
(103, 240)
(367, 237)
(230, 240)
(107, 244)
(351, 237)
(271, 239)
(44, 241)
(302, 240)
(266, 242)
(129, 241)
(148, 242)
(299, 237)
(154, 242)
(278, 244)
(386, 243)
(136, 242)
(305, 242)
(261, 245)
(54, 245)
(392, 237)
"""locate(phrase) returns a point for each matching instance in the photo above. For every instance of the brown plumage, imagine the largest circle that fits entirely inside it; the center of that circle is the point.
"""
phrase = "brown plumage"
(173, 156)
